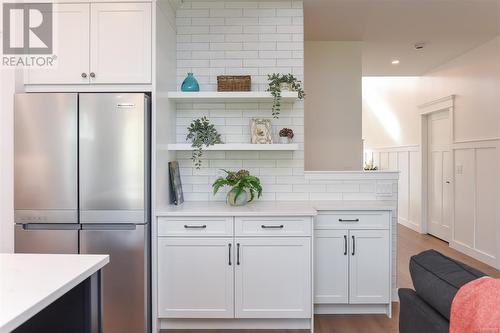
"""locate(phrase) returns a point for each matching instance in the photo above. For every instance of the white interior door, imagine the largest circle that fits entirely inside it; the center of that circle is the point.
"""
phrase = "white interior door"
(120, 49)
(195, 278)
(273, 277)
(331, 267)
(71, 47)
(439, 175)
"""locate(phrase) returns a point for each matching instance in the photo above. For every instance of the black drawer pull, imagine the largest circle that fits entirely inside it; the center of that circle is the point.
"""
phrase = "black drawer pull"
(348, 220)
(281, 226)
(229, 245)
(353, 245)
(195, 226)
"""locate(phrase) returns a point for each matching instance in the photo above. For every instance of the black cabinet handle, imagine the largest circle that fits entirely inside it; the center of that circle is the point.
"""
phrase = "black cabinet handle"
(237, 253)
(195, 226)
(272, 226)
(353, 245)
(348, 220)
(229, 245)
(345, 245)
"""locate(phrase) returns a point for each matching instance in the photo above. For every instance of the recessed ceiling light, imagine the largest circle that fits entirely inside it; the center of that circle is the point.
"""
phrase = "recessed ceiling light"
(395, 62)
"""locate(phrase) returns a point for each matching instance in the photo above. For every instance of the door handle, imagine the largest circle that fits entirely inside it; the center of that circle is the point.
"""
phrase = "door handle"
(447, 182)
(238, 254)
(229, 245)
(92, 74)
(353, 246)
(348, 220)
(272, 226)
(84, 75)
(345, 245)
(187, 226)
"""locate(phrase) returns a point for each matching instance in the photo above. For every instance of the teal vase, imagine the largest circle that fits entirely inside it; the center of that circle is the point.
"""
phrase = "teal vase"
(190, 83)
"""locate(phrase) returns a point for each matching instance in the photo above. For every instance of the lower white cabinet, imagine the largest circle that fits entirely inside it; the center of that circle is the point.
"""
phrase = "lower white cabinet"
(208, 277)
(351, 265)
(273, 277)
(331, 276)
(369, 267)
(195, 277)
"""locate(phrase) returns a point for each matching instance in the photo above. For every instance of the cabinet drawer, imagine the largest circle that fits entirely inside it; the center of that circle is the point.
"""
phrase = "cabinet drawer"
(353, 220)
(195, 226)
(273, 226)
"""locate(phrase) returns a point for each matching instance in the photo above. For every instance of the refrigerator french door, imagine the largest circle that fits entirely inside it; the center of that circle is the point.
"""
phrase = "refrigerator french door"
(82, 186)
(46, 173)
(114, 202)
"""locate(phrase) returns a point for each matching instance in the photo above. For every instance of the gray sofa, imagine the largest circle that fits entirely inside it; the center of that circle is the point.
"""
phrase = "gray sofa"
(436, 279)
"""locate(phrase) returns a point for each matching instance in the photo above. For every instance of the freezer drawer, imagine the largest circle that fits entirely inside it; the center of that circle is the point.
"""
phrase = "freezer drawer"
(45, 158)
(42, 238)
(113, 158)
(125, 279)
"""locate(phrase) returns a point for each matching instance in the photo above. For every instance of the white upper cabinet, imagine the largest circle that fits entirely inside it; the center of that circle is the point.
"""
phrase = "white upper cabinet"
(195, 277)
(121, 43)
(71, 47)
(370, 281)
(99, 43)
(273, 277)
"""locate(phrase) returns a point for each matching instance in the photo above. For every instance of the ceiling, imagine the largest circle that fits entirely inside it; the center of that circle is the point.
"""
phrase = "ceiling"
(390, 28)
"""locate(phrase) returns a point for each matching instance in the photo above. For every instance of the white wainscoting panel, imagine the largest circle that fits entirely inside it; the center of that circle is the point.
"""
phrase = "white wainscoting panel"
(405, 159)
(476, 228)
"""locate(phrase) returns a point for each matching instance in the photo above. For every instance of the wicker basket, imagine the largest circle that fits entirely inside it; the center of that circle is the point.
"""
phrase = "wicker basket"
(234, 83)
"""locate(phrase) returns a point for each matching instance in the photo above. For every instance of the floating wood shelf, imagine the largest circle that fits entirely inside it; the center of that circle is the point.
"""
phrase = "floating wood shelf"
(234, 146)
(236, 96)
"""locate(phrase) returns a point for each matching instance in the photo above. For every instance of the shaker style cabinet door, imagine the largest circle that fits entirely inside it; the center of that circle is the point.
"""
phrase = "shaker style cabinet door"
(120, 50)
(195, 277)
(71, 48)
(331, 266)
(369, 266)
(273, 277)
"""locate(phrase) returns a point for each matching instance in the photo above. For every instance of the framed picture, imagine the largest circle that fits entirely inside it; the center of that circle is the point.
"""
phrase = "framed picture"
(260, 129)
(176, 194)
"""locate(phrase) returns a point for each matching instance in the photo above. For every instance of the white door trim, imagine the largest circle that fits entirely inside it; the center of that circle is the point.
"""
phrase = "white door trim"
(442, 104)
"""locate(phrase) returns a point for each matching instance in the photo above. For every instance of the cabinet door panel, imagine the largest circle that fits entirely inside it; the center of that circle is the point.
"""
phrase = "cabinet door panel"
(71, 46)
(369, 266)
(331, 267)
(195, 278)
(120, 43)
(273, 278)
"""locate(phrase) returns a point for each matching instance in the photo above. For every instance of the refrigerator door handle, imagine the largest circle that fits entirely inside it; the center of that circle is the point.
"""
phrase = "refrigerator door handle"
(109, 226)
(51, 226)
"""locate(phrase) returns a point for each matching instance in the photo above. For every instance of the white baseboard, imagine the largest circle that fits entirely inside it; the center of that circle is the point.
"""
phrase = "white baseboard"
(256, 324)
(487, 259)
(410, 224)
(352, 309)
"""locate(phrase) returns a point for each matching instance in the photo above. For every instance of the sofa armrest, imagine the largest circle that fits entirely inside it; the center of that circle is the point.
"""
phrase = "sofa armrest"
(416, 316)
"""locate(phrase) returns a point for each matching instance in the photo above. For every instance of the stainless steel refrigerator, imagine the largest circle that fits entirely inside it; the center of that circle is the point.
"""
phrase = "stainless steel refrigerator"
(82, 185)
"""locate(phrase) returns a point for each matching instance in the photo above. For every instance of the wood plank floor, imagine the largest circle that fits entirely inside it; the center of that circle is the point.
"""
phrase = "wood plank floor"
(409, 243)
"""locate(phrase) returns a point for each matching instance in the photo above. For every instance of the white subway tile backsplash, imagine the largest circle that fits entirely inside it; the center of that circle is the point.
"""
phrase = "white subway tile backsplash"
(251, 38)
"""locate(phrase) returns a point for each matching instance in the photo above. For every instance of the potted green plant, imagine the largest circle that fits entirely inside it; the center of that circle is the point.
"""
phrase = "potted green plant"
(286, 135)
(244, 187)
(201, 133)
(280, 82)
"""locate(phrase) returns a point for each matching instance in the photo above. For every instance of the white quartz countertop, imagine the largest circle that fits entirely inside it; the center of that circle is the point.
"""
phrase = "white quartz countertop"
(269, 208)
(30, 282)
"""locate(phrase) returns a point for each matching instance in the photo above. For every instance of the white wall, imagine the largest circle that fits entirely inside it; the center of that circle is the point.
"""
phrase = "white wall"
(333, 104)
(474, 79)
(10, 82)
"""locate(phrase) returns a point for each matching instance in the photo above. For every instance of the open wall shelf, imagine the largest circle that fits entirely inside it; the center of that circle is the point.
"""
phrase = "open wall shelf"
(236, 96)
(234, 146)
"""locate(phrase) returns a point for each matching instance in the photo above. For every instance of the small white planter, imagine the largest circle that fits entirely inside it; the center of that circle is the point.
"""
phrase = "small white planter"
(285, 140)
(285, 86)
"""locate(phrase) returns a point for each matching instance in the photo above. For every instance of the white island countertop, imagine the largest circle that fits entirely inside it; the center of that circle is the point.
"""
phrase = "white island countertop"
(269, 208)
(30, 282)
